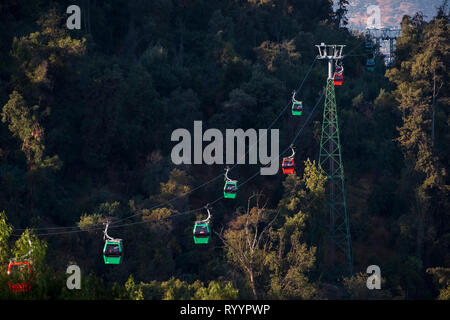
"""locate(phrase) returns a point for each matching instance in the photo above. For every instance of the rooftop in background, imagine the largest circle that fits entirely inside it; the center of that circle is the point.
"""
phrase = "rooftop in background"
(391, 11)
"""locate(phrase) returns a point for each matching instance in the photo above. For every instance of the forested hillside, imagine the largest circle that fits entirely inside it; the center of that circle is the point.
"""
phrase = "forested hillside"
(87, 117)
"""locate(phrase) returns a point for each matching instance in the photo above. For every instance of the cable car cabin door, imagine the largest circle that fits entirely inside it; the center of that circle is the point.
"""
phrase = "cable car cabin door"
(113, 252)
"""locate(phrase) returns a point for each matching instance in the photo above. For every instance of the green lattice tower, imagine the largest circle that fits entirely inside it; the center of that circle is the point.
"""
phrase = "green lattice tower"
(339, 252)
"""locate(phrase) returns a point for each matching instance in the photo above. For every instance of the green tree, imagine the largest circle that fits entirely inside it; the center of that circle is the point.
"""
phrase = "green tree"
(31, 247)
(5, 233)
(442, 277)
(217, 291)
(293, 259)
(356, 288)
(425, 48)
(23, 124)
(134, 292)
(247, 243)
(43, 58)
(305, 194)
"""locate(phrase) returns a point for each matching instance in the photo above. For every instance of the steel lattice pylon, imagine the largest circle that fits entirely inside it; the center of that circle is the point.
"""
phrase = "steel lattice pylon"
(386, 34)
(330, 163)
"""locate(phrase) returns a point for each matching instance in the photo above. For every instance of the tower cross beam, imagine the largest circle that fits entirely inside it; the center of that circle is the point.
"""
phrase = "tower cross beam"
(330, 52)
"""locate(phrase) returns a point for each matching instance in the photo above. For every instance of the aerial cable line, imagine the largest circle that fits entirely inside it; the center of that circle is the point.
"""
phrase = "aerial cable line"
(121, 225)
(131, 216)
(279, 114)
(309, 116)
(295, 138)
(136, 222)
(171, 200)
(113, 224)
(181, 213)
(177, 214)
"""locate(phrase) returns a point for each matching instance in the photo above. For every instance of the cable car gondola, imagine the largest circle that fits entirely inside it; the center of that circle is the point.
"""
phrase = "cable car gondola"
(19, 272)
(368, 46)
(370, 64)
(297, 106)
(288, 165)
(338, 77)
(113, 249)
(230, 188)
(201, 230)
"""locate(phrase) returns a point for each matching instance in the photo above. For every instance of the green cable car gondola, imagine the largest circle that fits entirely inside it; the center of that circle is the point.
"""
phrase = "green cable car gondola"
(370, 64)
(297, 106)
(113, 252)
(230, 188)
(368, 46)
(201, 233)
(201, 230)
(113, 249)
(368, 43)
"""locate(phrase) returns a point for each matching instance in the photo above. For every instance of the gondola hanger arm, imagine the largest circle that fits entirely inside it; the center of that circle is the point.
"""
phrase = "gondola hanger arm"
(207, 207)
(293, 97)
(293, 152)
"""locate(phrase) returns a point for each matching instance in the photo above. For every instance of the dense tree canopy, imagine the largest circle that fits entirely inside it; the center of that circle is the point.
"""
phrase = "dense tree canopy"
(87, 117)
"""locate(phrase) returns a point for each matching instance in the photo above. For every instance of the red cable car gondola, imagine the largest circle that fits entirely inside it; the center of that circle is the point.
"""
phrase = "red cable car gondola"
(288, 165)
(338, 77)
(338, 80)
(19, 274)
